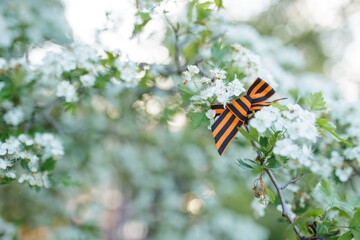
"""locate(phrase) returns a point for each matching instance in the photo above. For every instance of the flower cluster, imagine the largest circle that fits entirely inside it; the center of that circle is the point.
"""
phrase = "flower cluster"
(250, 65)
(298, 128)
(22, 21)
(31, 153)
(219, 90)
(80, 66)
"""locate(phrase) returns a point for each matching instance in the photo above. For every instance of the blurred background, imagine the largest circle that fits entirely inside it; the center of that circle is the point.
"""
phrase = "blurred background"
(139, 170)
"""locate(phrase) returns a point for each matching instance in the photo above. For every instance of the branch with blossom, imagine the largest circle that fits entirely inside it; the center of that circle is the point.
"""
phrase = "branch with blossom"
(283, 137)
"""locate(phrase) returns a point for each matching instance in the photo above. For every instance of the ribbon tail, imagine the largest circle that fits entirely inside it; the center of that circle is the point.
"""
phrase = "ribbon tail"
(224, 129)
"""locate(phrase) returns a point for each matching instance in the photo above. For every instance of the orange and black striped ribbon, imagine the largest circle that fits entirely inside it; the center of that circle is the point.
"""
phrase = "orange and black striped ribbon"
(231, 117)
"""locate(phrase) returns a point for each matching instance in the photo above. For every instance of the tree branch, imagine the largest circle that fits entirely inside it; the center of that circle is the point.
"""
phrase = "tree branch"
(292, 181)
(45, 112)
(176, 44)
(202, 71)
(285, 212)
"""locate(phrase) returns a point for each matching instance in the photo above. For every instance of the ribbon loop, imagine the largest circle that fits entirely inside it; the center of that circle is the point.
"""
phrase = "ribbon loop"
(233, 116)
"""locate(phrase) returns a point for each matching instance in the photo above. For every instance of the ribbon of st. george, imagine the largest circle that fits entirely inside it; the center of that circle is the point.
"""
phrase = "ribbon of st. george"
(233, 116)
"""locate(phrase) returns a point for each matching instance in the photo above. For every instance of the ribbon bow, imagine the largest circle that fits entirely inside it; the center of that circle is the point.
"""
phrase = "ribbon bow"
(233, 116)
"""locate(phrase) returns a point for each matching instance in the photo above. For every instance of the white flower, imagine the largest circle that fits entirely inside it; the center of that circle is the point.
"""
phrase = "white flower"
(259, 208)
(353, 153)
(3, 148)
(10, 174)
(204, 80)
(294, 111)
(33, 163)
(193, 70)
(294, 130)
(67, 90)
(285, 147)
(4, 164)
(57, 149)
(52, 146)
(223, 98)
(210, 114)
(187, 76)
(236, 87)
(321, 167)
(44, 139)
(25, 139)
(264, 119)
(259, 124)
(305, 156)
(35, 179)
(87, 80)
(14, 117)
(207, 93)
(218, 73)
(219, 89)
(127, 70)
(343, 173)
(336, 159)
(12, 145)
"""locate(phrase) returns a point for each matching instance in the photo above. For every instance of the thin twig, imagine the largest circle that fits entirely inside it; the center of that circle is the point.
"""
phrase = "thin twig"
(285, 212)
(176, 44)
(55, 124)
(202, 71)
(292, 181)
(278, 187)
(322, 237)
(38, 117)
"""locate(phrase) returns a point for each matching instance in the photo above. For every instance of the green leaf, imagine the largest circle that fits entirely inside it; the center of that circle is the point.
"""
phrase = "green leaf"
(330, 195)
(252, 135)
(197, 119)
(341, 212)
(247, 164)
(326, 191)
(263, 142)
(185, 89)
(301, 221)
(110, 55)
(144, 18)
(68, 182)
(279, 106)
(270, 194)
(346, 207)
(6, 180)
(316, 101)
(322, 123)
(313, 213)
(25, 165)
(70, 106)
(48, 165)
(355, 225)
(346, 236)
(203, 11)
(272, 162)
(219, 3)
(190, 50)
(218, 51)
